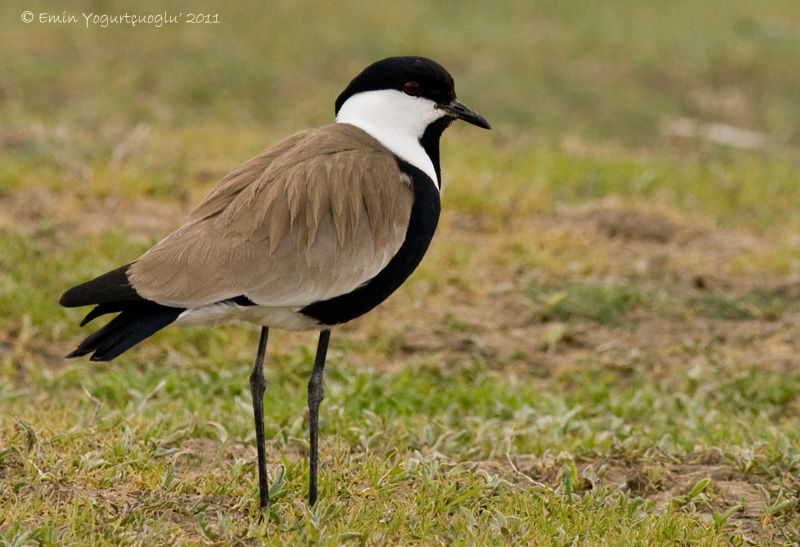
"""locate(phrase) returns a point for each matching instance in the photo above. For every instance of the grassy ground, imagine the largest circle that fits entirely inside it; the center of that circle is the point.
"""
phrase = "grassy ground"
(600, 348)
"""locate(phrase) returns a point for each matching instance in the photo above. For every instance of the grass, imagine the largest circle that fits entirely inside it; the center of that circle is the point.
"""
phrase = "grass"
(600, 347)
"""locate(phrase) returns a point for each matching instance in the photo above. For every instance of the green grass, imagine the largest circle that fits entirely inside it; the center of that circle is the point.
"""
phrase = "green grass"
(600, 347)
(429, 438)
(609, 304)
(603, 304)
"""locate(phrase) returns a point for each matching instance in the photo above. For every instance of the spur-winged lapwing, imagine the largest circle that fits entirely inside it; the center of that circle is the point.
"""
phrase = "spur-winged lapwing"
(311, 233)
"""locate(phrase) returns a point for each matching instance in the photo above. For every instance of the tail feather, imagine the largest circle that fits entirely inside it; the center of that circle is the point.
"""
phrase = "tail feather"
(138, 317)
(110, 288)
(97, 311)
(125, 331)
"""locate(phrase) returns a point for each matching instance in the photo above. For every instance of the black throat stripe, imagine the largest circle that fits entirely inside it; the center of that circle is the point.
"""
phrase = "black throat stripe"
(421, 226)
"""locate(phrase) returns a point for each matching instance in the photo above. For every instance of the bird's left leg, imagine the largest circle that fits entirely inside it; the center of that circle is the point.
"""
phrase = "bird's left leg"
(258, 385)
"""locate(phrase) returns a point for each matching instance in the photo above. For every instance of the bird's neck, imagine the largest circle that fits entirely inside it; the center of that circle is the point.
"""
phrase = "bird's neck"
(410, 128)
(430, 143)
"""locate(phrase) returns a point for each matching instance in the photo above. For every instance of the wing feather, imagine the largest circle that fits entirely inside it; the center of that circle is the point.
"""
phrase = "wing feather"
(311, 218)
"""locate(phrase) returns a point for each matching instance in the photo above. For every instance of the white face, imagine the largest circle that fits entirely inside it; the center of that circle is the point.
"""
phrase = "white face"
(396, 120)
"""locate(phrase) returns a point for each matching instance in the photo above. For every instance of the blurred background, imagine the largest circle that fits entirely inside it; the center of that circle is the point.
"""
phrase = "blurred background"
(605, 72)
(611, 303)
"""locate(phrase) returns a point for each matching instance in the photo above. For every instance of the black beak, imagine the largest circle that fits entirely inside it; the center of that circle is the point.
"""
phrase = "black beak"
(459, 111)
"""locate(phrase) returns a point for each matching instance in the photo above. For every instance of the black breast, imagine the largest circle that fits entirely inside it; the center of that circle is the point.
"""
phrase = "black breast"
(421, 226)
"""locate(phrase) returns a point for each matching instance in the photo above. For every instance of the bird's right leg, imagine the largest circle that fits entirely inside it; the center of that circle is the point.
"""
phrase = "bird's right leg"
(258, 385)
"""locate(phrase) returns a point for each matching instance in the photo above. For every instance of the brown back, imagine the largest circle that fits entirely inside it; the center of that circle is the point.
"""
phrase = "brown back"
(307, 219)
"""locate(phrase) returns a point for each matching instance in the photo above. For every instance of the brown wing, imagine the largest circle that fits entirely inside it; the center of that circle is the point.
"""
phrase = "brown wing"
(308, 219)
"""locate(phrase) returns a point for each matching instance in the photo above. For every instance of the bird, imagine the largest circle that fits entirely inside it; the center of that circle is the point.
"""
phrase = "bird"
(311, 233)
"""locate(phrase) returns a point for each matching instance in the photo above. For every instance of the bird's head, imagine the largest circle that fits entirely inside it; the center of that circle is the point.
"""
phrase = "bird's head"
(404, 95)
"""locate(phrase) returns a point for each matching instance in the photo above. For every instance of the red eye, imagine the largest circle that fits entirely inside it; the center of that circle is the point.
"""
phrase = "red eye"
(412, 88)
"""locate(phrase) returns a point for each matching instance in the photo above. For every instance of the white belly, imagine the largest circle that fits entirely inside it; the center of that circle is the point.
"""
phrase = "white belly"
(288, 318)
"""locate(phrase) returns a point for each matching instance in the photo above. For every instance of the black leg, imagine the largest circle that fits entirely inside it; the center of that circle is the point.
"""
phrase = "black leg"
(258, 384)
(315, 395)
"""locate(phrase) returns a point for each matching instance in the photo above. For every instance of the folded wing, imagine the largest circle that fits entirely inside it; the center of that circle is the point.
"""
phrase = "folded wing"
(309, 219)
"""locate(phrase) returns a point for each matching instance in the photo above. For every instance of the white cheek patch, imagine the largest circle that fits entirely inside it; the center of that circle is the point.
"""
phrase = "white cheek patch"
(397, 121)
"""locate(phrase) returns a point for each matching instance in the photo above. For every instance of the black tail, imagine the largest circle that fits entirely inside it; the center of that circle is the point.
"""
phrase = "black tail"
(112, 292)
